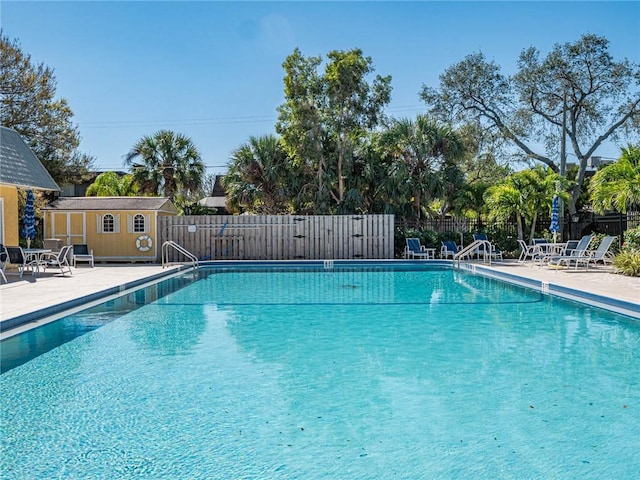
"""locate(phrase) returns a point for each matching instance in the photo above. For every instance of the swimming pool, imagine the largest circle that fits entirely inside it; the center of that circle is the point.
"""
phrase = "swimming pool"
(314, 373)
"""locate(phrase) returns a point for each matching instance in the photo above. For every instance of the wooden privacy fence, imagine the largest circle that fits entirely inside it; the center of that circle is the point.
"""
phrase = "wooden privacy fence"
(279, 237)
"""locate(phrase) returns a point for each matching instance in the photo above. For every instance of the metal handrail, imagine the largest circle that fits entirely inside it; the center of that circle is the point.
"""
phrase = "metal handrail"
(472, 247)
(180, 249)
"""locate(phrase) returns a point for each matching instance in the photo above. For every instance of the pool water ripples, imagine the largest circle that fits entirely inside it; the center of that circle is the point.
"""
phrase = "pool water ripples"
(326, 375)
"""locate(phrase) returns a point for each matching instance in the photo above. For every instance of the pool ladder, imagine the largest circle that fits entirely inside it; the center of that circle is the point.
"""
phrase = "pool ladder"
(180, 249)
(471, 249)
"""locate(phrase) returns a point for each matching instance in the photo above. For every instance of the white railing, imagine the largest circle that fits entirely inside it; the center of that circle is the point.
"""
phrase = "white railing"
(171, 244)
(472, 248)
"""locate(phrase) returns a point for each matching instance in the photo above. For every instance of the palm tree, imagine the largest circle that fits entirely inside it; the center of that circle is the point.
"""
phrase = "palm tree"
(617, 186)
(110, 184)
(169, 162)
(421, 151)
(260, 177)
(525, 194)
(470, 200)
(504, 200)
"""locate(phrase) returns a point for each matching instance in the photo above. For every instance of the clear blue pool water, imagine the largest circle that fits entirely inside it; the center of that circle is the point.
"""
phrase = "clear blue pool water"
(316, 374)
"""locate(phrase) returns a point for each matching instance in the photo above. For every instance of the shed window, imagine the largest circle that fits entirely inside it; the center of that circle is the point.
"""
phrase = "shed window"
(108, 223)
(139, 223)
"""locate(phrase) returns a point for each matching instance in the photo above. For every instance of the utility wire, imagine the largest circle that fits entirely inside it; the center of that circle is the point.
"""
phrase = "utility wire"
(208, 121)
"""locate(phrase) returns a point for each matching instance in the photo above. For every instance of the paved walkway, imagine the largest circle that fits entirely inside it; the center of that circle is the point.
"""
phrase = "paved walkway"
(32, 293)
(598, 280)
(29, 294)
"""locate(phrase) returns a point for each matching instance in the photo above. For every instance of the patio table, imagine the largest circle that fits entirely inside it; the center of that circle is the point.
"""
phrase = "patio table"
(544, 251)
(35, 255)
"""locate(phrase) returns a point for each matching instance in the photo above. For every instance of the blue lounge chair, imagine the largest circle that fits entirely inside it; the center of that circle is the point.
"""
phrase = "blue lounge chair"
(449, 249)
(414, 249)
(493, 251)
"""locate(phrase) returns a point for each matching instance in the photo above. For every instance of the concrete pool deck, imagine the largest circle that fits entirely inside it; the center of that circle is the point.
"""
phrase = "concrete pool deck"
(26, 296)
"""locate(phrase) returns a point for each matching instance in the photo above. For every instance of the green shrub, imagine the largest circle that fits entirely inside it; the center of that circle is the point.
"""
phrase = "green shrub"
(627, 262)
(632, 238)
(504, 240)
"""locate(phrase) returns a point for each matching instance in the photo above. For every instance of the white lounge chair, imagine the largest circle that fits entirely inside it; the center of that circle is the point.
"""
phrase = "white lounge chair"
(600, 254)
(81, 253)
(579, 251)
(528, 251)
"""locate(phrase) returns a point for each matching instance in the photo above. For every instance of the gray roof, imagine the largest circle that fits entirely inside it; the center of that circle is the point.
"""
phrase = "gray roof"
(112, 203)
(19, 166)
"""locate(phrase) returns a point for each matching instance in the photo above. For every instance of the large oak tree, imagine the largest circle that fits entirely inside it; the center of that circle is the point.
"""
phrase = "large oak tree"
(28, 105)
(576, 94)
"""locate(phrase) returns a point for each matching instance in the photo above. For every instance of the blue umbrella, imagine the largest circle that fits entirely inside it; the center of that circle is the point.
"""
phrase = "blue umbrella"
(555, 226)
(29, 220)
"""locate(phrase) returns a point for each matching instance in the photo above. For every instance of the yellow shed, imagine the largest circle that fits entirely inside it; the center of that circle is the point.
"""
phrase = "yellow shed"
(117, 229)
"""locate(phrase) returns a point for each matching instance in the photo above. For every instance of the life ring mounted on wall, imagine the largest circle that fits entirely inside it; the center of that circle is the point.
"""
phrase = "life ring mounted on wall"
(144, 243)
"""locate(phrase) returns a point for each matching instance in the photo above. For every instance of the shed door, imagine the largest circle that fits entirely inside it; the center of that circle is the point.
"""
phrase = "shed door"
(70, 227)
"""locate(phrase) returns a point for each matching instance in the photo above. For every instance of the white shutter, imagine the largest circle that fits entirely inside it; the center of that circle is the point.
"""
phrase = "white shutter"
(147, 223)
(98, 223)
(116, 223)
(129, 223)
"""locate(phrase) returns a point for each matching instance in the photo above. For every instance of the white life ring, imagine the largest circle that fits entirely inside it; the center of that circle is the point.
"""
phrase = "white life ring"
(144, 243)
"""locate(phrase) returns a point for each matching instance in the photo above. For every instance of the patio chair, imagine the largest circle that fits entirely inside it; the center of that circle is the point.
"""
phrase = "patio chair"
(528, 251)
(81, 253)
(600, 254)
(58, 260)
(493, 251)
(414, 249)
(569, 248)
(579, 250)
(542, 256)
(17, 257)
(449, 249)
(4, 257)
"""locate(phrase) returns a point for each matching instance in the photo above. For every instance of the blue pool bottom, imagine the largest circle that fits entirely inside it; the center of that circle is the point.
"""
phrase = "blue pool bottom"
(342, 374)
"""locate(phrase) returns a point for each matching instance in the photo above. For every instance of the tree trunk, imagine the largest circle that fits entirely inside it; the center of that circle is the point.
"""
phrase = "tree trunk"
(533, 226)
(520, 226)
(340, 178)
(416, 204)
(169, 183)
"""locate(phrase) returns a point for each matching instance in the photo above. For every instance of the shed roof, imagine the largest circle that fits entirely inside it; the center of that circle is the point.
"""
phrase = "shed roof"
(113, 203)
(19, 166)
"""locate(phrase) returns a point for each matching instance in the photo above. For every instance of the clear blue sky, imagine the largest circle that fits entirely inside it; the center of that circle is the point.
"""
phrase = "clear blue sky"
(213, 70)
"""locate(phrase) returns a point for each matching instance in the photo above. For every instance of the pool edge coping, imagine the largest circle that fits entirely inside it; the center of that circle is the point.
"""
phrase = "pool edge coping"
(615, 305)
